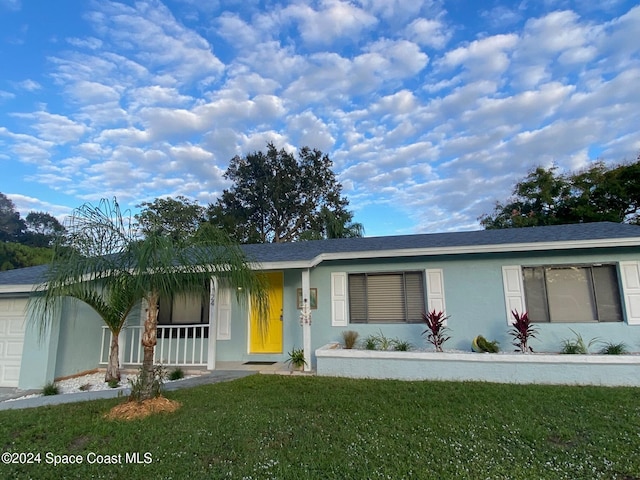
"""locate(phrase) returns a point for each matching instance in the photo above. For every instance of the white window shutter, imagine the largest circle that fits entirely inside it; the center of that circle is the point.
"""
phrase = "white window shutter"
(435, 290)
(339, 307)
(223, 307)
(630, 276)
(513, 290)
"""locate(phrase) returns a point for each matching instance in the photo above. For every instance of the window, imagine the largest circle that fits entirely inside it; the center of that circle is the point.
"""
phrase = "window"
(386, 297)
(184, 309)
(580, 293)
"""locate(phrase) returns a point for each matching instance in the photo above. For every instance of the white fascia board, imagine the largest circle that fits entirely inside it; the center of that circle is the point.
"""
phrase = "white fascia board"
(455, 250)
(466, 249)
(283, 265)
(16, 288)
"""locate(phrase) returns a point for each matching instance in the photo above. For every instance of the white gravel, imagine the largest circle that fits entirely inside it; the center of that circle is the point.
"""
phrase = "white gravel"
(90, 383)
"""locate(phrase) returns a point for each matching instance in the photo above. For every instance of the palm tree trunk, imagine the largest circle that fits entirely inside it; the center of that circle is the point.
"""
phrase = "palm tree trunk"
(113, 367)
(149, 340)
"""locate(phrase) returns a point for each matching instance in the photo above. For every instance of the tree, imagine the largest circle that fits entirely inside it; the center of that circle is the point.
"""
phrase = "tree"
(15, 255)
(103, 255)
(277, 197)
(41, 229)
(11, 225)
(598, 193)
(168, 216)
(334, 226)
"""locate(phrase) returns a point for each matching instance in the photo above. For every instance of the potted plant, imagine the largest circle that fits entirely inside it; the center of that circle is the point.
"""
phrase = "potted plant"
(296, 360)
(482, 345)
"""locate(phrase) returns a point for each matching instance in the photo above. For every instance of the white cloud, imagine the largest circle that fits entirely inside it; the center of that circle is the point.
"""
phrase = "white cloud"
(123, 136)
(29, 85)
(6, 95)
(155, 95)
(236, 31)
(335, 19)
(90, 43)
(25, 204)
(157, 40)
(307, 129)
(428, 33)
(55, 128)
(486, 57)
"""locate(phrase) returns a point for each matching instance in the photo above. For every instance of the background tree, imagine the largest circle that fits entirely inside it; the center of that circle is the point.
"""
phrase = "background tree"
(334, 226)
(598, 193)
(277, 197)
(11, 225)
(15, 255)
(41, 229)
(177, 217)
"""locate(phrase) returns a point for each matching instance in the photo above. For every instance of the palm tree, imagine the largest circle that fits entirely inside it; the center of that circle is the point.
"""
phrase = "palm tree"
(162, 265)
(85, 267)
(104, 263)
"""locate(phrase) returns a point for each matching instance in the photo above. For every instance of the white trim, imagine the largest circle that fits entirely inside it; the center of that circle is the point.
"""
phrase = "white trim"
(630, 277)
(513, 290)
(454, 250)
(306, 327)
(213, 324)
(339, 300)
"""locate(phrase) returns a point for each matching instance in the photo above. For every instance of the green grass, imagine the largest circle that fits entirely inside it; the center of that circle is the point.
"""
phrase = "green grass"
(280, 427)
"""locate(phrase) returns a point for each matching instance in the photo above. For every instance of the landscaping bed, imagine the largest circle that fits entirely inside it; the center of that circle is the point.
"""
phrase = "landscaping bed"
(531, 368)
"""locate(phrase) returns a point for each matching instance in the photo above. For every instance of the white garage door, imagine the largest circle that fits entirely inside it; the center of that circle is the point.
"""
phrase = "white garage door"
(12, 313)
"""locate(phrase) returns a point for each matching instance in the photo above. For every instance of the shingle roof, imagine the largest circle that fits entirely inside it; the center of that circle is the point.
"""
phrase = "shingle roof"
(23, 276)
(579, 232)
(582, 235)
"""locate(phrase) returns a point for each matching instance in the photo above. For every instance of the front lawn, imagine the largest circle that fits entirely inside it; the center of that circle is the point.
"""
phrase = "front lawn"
(280, 427)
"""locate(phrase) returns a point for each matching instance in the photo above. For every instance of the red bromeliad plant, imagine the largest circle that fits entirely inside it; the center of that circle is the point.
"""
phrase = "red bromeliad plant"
(522, 331)
(436, 328)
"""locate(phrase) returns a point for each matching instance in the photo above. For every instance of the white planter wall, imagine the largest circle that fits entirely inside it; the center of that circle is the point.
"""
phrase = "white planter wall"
(539, 368)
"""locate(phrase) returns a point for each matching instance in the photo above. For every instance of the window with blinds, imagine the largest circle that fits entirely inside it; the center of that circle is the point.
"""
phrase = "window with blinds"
(572, 293)
(386, 297)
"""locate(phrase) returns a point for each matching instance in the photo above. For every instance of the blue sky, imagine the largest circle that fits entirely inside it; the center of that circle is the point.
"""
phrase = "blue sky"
(430, 110)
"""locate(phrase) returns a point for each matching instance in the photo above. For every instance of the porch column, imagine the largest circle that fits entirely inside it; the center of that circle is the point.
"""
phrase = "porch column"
(306, 325)
(213, 334)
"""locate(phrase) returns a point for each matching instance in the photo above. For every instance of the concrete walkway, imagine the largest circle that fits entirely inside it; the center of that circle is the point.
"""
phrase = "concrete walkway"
(214, 376)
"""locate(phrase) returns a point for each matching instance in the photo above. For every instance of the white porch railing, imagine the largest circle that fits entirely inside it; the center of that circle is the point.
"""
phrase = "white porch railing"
(183, 345)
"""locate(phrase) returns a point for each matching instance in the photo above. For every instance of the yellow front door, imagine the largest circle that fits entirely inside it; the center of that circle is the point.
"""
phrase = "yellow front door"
(269, 338)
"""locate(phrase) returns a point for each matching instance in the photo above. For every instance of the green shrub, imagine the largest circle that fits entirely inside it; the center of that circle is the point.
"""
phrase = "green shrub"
(401, 345)
(113, 383)
(576, 345)
(371, 343)
(50, 389)
(614, 349)
(176, 374)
